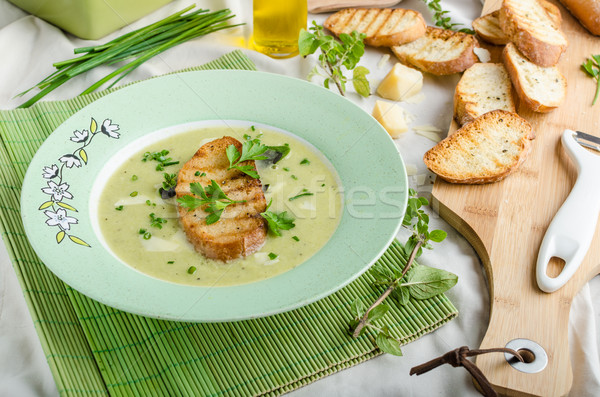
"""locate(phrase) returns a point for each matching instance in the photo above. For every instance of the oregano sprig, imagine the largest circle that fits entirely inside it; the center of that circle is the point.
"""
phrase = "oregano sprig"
(418, 282)
(335, 55)
(441, 19)
(592, 67)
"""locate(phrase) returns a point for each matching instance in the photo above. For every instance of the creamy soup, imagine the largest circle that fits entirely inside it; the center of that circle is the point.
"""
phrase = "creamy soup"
(143, 230)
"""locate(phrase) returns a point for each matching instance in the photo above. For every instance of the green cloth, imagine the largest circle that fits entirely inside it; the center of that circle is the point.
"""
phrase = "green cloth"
(93, 349)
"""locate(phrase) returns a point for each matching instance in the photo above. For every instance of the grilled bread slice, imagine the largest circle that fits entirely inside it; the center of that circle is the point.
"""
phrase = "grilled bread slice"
(541, 89)
(439, 52)
(528, 24)
(488, 28)
(383, 27)
(482, 88)
(241, 230)
(483, 151)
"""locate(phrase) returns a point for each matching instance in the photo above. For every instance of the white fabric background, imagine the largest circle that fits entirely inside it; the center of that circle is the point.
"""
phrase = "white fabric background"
(28, 47)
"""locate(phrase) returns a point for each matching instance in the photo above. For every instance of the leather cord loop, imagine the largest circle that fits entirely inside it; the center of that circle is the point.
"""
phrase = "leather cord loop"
(458, 358)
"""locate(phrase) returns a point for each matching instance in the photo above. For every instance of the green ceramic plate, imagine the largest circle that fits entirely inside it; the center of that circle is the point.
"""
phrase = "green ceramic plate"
(370, 168)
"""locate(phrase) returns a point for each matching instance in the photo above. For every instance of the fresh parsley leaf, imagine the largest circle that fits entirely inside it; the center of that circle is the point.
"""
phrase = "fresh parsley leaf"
(212, 196)
(592, 67)
(277, 222)
(272, 256)
(251, 150)
(119, 208)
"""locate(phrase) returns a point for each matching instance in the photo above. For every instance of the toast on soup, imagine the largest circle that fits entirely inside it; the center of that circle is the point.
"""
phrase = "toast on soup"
(241, 231)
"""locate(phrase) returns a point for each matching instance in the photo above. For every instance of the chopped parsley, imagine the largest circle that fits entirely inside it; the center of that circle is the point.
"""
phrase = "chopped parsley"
(119, 208)
(272, 256)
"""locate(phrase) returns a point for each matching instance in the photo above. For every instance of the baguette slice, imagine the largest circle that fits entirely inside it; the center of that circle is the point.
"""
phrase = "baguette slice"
(383, 27)
(483, 151)
(439, 52)
(541, 89)
(536, 34)
(241, 231)
(587, 12)
(482, 88)
(488, 28)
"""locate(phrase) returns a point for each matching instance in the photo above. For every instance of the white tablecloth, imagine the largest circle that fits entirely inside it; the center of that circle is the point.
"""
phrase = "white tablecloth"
(29, 46)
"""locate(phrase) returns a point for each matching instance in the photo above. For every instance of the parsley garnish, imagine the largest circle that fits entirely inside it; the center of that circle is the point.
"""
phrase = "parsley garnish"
(251, 150)
(305, 161)
(272, 256)
(592, 67)
(277, 222)
(119, 208)
(295, 238)
(212, 196)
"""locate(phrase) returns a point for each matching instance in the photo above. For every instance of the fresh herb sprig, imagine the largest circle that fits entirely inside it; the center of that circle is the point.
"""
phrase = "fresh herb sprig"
(251, 150)
(441, 19)
(592, 67)
(139, 45)
(335, 55)
(418, 282)
(212, 196)
(277, 222)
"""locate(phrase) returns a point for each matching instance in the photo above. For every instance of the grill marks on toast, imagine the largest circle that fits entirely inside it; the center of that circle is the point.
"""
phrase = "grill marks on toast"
(383, 27)
(241, 230)
(439, 51)
(483, 151)
(534, 29)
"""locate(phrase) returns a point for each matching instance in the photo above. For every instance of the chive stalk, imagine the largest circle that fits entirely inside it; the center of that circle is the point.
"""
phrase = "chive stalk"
(141, 44)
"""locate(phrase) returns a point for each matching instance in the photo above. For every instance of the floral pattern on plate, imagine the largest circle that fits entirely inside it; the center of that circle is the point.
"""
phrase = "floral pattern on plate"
(56, 209)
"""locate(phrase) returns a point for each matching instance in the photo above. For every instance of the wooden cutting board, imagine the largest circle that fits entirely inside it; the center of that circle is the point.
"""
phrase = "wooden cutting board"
(318, 6)
(506, 222)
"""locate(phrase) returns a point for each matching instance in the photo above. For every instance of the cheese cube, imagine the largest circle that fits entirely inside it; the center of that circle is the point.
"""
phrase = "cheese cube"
(400, 83)
(391, 117)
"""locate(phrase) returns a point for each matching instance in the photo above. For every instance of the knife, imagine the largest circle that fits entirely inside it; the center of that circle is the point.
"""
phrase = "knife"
(571, 231)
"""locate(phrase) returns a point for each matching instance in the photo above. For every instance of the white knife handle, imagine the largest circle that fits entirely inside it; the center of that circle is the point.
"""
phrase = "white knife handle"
(571, 231)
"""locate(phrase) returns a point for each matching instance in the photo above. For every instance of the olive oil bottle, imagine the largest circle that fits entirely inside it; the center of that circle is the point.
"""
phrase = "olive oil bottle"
(277, 24)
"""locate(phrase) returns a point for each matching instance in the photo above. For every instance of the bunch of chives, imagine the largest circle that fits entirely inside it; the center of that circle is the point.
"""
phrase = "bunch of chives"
(141, 45)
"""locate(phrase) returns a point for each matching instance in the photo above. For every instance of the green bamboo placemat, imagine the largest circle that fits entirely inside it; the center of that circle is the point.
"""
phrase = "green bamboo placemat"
(93, 349)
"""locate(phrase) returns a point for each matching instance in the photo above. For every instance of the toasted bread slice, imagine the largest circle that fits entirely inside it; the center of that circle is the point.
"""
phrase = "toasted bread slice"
(541, 89)
(482, 88)
(439, 52)
(241, 230)
(488, 28)
(383, 27)
(528, 24)
(483, 151)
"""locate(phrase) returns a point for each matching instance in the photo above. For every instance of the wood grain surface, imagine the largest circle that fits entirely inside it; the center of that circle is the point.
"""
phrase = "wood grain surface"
(506, 222)
(319, 6)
